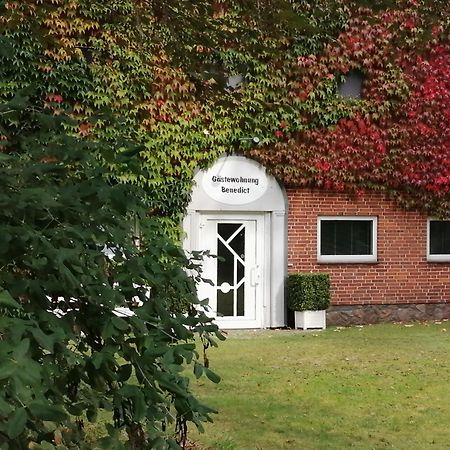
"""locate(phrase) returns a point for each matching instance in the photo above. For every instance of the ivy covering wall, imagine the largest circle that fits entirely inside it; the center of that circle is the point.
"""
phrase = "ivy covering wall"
(150, 77)
(396, 137)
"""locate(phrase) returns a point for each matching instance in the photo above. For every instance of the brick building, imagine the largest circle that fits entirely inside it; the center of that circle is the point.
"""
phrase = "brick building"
(399, 276)
(385, 263)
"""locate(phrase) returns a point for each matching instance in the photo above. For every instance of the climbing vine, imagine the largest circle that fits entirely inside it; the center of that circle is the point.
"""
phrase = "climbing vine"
(396, 136)
(161, 68)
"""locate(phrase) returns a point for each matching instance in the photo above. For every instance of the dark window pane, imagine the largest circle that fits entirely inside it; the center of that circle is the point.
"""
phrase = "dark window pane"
(225, 230)
(230, 269)
(240, 301)
(327, 237)
(225, 265)
(346, 237)
(342, 238)
(362, 237)
(240, 272)
(351, 87)
(225, 303)
(439, 237)
(238, 243)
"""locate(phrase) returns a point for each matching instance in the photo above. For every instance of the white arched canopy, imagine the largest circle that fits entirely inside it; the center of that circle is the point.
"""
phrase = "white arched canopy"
(238, 212)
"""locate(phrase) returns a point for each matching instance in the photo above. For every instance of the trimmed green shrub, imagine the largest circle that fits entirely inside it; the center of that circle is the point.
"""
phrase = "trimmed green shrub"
(308, 291)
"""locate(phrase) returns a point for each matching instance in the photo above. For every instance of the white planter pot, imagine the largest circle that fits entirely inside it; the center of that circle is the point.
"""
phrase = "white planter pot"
(310, 319)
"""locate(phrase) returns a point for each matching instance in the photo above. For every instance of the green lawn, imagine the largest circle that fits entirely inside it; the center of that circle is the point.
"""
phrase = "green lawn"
(371, 387)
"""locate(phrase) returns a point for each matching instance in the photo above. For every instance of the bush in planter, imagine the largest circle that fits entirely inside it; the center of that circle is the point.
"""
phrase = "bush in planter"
(308, 291)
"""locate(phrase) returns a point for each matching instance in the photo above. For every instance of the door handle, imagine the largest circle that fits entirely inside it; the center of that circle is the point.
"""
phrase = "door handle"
(254, 275)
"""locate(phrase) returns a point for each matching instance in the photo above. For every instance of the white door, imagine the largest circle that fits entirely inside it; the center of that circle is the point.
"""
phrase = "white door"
(234, 271)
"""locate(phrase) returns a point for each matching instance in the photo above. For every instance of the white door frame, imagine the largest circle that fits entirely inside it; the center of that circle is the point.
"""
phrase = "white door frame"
(272, 205)
(254, 272)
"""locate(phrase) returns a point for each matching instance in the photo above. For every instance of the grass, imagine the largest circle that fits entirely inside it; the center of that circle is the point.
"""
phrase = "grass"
(371, 387)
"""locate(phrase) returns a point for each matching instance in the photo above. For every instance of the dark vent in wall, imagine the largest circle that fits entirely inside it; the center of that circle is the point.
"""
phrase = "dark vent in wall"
(351, 86)
(234, 81)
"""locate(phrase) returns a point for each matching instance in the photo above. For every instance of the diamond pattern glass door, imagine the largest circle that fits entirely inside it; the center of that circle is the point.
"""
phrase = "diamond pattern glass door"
(230, 270)
(234, 288)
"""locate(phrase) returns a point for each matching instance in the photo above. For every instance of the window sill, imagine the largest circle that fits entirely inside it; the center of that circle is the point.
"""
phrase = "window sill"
(438, 258)
(366, 259)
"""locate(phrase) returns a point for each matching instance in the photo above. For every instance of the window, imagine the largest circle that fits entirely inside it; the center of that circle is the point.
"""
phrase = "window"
(438, 242)
(351, 85)
(234, 81)
(347, 239)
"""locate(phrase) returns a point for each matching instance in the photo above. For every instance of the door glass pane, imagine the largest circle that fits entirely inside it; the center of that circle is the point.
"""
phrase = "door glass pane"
(240, 271)
(238, 243)
(225, 303)
(225, 264)
(227, 229)
(230, 269)
(240, 301)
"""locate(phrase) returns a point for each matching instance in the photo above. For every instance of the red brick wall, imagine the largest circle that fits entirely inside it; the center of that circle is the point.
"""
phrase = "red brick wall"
(402, 273)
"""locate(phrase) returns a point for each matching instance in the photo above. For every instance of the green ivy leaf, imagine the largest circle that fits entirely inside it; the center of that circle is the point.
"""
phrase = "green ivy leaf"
(7, 369)
(7, 300)
(46, 341)
(5, 408)
(16, 423)
(124, 372)
(198, 370)
(46, 446)
(119, 323)
(211, 375)
(45, 411)
(21, 350)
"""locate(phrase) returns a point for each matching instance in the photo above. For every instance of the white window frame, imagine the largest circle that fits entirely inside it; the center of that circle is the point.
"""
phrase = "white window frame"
(372, 258)
(435, 257)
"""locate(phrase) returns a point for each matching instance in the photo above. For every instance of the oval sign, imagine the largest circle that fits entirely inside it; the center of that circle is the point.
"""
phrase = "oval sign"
(235, 181)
